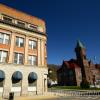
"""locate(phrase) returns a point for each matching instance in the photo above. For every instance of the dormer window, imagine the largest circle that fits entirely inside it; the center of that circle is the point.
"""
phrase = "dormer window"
(7, 19)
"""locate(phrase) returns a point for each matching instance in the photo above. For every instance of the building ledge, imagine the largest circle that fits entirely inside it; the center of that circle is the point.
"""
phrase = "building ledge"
(22, 65)
(23, 28)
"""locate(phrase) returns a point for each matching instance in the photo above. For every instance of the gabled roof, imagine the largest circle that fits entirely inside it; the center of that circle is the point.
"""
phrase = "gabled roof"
(71, 64)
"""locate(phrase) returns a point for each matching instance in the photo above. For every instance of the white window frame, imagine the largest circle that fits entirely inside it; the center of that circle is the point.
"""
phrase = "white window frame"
(32, 42)
(2, 53)
(32, 59)
(17, 58)
(4, 38)
(19, 41)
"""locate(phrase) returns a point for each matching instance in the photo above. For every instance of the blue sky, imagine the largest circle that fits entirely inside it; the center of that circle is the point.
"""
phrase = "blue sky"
(66, 22)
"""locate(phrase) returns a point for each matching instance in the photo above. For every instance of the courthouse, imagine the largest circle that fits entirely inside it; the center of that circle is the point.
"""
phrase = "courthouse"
(23, 65)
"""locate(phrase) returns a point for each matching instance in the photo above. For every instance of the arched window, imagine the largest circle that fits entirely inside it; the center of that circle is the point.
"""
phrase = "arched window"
(16, 79)
(32, 79)
(2, 77)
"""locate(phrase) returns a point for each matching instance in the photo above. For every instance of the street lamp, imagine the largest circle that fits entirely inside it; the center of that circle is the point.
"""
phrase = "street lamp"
(49, 79)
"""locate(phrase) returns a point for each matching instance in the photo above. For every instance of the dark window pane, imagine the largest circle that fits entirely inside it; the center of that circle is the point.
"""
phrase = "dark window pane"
(17, 41)
(15, 58)
(21, 44)
(4, 56)
(7, 19)
(1, 37)
(7, 39)
(34, 60)
(20, 59)
(32, 83)
(0, 55)
(21, 24)
(1, 83)
(32, 44)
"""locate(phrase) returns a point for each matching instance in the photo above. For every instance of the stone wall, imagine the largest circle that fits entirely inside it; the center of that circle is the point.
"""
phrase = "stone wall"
(9, 69)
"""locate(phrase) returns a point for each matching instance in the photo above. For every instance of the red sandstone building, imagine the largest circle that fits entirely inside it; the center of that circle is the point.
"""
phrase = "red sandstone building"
(72, 72)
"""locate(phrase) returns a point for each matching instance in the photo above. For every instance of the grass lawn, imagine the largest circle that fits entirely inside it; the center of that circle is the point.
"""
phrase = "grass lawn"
(73, 88)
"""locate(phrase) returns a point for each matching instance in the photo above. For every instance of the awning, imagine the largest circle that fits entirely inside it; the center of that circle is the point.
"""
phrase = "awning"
(32, 76)
(17, 75)
(2, 75)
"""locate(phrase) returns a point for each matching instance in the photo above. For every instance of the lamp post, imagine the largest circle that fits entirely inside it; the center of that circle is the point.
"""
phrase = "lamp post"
(49, 79)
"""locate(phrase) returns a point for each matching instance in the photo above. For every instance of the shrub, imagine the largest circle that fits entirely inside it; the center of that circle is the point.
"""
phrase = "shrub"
(85, 85)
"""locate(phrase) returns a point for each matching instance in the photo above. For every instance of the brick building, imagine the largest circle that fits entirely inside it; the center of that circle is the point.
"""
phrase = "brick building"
(23, 67)
(74, 71)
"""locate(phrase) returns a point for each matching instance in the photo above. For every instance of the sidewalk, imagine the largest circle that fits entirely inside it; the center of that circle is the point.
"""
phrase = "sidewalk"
(36, 98)
(47, 97)
(55, 98)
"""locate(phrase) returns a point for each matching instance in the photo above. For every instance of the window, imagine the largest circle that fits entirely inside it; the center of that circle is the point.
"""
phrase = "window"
(19, 42)
(3, 56)
(4, 38)
(18, 58)
(32, 44)
(32, 60)
(21, 24)
(7, 19)
(33, 26)
(2, 78)
(1, 37)
(16, 79)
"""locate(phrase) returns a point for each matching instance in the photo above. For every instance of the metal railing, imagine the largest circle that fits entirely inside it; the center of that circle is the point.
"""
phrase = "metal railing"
(74, 92)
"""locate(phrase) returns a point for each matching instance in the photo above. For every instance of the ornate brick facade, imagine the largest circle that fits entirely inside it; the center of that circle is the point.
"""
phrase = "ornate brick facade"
(81, 69)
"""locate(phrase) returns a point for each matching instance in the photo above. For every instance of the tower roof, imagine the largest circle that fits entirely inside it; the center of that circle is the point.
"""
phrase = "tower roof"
(80, 44)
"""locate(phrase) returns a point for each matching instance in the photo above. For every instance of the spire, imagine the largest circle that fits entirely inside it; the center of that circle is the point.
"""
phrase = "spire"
(80, 44)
